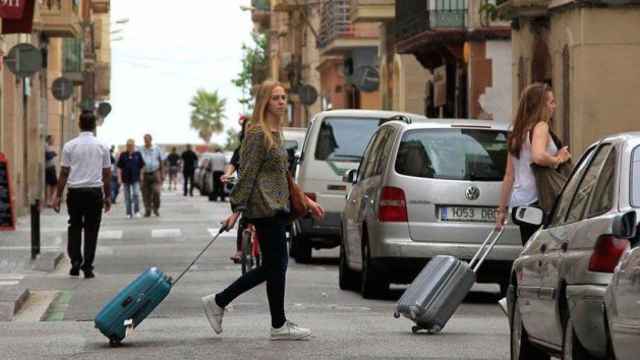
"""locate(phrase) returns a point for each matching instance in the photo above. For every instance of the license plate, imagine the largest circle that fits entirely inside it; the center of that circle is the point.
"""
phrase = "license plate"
(471, 214)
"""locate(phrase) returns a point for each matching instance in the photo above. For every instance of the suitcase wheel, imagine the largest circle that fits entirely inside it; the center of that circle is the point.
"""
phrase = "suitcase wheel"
(115, 342)
(396, 315)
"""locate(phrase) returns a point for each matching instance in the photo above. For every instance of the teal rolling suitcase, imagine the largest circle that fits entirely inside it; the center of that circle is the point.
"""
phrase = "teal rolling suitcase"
(135, 302)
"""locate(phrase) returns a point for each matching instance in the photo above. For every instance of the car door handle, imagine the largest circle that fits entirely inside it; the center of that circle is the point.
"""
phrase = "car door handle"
(564, 246)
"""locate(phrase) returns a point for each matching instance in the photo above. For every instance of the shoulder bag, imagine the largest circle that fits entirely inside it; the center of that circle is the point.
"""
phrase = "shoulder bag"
(550, 181)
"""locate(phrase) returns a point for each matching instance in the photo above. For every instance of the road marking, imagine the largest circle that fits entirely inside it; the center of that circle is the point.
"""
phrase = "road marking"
(110, 235)
(9, 283)
(166, 233)
(28, 248)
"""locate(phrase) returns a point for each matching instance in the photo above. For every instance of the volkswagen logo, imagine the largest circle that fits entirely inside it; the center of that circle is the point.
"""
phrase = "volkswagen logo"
(472, 193)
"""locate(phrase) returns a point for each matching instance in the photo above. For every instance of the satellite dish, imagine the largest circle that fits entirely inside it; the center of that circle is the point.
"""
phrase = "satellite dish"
(24, 60)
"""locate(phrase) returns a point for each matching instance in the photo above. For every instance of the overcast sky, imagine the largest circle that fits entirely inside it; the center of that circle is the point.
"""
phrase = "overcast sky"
(169, 49)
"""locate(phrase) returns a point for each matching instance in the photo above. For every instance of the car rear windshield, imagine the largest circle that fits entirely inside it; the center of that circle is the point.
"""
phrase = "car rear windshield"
(635, 178)
(455, 154)
(344, 139)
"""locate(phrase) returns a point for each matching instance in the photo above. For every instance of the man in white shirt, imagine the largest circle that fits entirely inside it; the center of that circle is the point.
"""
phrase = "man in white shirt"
(86, 167)
(152, 178)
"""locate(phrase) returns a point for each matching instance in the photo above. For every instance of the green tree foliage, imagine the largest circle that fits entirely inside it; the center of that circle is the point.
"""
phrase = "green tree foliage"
(207, 113)
(233, 140)
(254, 67)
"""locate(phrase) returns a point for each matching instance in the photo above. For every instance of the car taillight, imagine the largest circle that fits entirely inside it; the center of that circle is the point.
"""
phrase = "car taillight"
(392, 205)
(312, 196)
(607, 253)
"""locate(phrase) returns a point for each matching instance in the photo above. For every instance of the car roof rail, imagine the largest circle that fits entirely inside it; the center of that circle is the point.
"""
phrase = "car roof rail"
(398, 117)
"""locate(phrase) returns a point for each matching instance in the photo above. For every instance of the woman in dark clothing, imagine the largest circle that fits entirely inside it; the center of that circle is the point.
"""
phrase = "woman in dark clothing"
(262, 196)
(50, 176)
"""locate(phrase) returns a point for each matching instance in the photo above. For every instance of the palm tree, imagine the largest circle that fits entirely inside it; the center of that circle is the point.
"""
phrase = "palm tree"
(207, 114)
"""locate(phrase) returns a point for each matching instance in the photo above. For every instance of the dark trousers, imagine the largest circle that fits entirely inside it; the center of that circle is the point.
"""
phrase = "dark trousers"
(188, 182)
(85, 213)
(151, 191)
(218, 186)
(273, 270)
(526, 230)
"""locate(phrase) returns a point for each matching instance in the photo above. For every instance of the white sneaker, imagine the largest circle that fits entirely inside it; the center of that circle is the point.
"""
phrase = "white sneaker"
(138, 215)
(290, 331)
(214, 312)
(129, 216)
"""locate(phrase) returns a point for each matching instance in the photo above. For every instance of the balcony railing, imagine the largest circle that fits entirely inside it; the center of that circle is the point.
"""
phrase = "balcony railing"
(336, 21)
(415, 17)
(58, 18)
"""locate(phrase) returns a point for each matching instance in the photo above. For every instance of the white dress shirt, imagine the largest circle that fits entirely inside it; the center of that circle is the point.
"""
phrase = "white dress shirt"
(85, 156)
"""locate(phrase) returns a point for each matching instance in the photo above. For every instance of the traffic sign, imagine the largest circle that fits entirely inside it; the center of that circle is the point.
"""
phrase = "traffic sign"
(62, 88)
(308, 94)
(24, 60)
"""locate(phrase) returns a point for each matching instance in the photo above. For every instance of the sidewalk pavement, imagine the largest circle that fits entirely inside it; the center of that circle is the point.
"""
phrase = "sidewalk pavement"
(15, 257)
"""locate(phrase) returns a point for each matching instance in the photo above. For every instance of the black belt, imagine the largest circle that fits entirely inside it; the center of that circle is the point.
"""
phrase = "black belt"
(86, 189)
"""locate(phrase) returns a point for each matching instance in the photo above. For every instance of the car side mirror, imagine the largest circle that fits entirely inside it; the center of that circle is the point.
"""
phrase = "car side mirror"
(350, 176)
(624, 225)
(530, 215)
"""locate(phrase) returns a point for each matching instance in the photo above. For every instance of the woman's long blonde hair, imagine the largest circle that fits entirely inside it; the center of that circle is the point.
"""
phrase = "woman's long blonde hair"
(259, 118)
(532, 109)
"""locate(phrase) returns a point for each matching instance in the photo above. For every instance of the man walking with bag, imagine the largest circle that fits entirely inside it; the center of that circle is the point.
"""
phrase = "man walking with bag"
(152, 178)
(189, 164)
(86, 166)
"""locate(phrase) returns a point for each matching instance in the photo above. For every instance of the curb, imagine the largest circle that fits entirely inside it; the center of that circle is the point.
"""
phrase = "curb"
(11, 300)
(48, 261)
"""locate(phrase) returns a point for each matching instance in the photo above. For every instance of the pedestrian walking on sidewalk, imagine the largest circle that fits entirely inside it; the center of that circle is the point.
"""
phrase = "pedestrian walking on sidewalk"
(218, 163)
(189, 164)
(529, 142)
(50, 177)
(86, 167)
(115, 183)
(130, 168)
(173, 161)
(152, 177)
(262, 196)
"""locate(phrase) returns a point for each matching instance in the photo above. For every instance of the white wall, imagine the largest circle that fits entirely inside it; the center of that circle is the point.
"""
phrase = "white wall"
(496, 100)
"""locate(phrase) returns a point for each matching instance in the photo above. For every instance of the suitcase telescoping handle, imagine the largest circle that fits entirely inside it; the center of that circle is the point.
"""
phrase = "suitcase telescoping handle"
(485, 249)
(222, 229)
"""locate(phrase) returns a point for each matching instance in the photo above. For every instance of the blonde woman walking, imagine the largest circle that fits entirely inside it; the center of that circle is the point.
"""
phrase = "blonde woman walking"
(262, 197)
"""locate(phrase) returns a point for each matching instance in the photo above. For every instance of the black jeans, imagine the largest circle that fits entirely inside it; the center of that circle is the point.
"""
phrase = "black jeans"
(187, 178)
(526, 230)
(218, 187)
(273, 270)
(85, 213)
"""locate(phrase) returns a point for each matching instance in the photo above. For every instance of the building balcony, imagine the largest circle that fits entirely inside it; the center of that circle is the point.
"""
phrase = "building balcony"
(103, 81)
(529, 7)
(73, 60)
(58, 18)
(372, 10)
(101, 6)
(339, 34)
(417, 17)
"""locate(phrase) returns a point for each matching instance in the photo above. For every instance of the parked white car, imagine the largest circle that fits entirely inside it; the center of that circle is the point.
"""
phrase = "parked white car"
(558, 283)
(334, 144)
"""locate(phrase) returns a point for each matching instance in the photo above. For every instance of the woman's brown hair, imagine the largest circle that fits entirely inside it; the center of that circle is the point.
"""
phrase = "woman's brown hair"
(532, 109)
(259, 118)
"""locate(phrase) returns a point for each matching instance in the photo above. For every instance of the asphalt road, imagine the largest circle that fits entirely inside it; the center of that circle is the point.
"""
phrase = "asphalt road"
(57, 322)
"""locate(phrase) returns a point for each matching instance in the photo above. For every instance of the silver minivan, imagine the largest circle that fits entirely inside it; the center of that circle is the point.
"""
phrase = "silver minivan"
(425, 188)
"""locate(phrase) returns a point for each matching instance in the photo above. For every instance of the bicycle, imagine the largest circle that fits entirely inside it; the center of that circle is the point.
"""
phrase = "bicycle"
(250, 249)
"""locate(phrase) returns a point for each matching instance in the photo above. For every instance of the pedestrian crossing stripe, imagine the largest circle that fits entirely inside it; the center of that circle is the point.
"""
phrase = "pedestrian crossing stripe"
(166, 233)
(110, 234)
